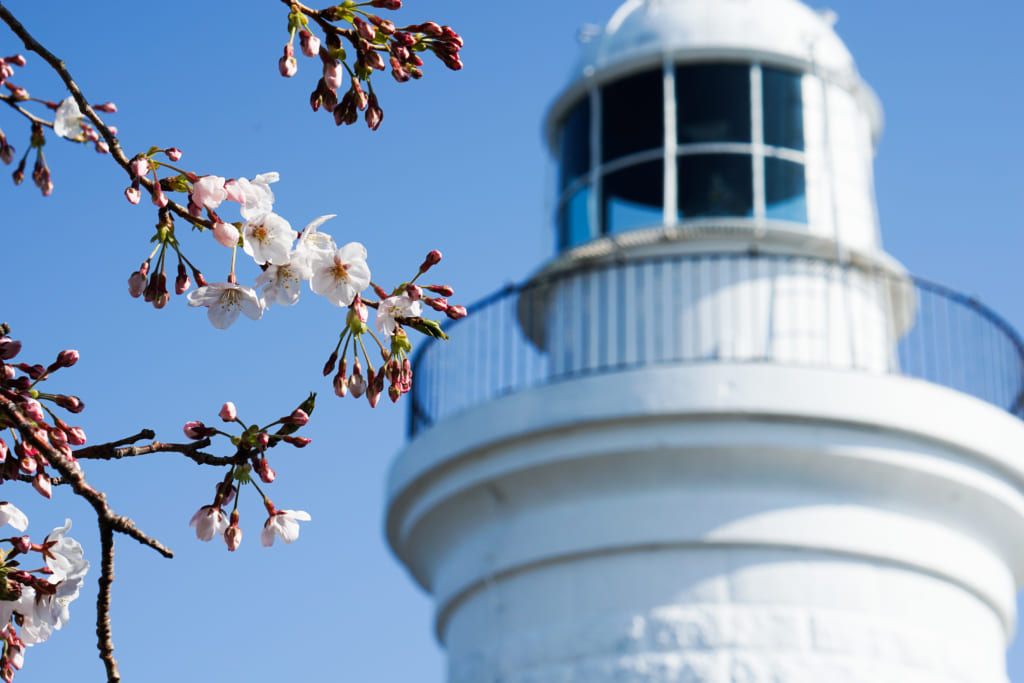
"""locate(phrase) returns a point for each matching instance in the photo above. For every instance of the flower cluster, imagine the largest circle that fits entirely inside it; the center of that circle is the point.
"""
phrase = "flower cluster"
(19, 383)
(251, 448)
(34, 603)
(376, 42)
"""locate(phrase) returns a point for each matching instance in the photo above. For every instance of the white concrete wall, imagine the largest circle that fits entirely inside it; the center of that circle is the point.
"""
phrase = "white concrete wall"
(723, 523)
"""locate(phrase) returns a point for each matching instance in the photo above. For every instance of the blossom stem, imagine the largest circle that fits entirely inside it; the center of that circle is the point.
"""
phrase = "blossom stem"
(369, 363)
(231, 275)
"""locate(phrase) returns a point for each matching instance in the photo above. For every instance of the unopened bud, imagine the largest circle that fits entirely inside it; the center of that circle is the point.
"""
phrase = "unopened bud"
(331, 362)
(288, 66)
(228, 412)
(67, 358)
(443, 290)
(414, 292)
(431, 260)
(9, 348)
(297, 441)
(108, 107)
(196, 430)
(41, 483)
(309, 43)
(233, 536)
(133, 195)
(456, 312)
(299, 417)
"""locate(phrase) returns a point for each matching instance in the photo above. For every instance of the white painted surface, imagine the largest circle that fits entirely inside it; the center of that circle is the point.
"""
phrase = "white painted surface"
(867, 523)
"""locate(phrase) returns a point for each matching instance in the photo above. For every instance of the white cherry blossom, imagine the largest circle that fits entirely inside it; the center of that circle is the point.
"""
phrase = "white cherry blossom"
(282, 284)
(268, 239)
(256, 196)
(68, 121)
(225, 301)
(13, 516)
(64, 556)
(341, 275)
(396, 307)
(312, 243)
(209, 521)
(284, 524)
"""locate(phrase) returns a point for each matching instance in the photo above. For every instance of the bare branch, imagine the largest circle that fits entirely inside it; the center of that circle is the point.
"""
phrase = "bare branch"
(83, 105)
(105, 642)
(13, 102)
(76, 479)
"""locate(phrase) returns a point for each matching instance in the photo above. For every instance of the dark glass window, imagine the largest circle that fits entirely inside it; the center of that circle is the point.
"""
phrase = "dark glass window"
(573, 221)
(713, 103)
(574, 145)
(785, 190)
(632, 115)
(783, 108)
(634, 197)
(715, 185)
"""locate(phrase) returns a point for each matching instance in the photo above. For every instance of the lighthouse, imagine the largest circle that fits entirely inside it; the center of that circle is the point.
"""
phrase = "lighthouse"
(722, 435)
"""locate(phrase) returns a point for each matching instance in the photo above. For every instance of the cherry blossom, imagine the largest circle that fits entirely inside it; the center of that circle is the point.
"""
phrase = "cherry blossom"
(342, 275)
(312, 242)
(255, 195)
(225, 301)
(68, 121)
(208, 191)
(282, 284)
(64, 555)
(9, 514)
(209, 521)
(268, 239)
(284, 524)
(396, 307)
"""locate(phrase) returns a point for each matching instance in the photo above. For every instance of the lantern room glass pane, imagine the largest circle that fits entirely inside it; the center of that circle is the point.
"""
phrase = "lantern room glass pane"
(713, 103)
(713, 185)
(785, 190)
(574, 144)
(632, 115)
(574, 221)
(634, 197)
(783, 108)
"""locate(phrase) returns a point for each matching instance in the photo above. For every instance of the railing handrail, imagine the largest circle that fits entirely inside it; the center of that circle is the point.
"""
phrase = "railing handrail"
(895, 323)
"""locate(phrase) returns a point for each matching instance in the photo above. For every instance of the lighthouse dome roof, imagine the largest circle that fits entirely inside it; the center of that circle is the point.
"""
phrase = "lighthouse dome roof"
(785, 30)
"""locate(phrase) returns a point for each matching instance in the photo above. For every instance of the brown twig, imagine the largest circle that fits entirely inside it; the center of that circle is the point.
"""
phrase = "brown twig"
(83, 105)
(104, 636)
(76, 479)
(13, 102)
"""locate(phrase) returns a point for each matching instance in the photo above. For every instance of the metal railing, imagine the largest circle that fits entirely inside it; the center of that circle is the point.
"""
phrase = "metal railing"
(730, 307)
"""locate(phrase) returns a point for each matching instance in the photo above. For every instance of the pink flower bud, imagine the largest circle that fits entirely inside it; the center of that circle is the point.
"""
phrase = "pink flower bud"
(22, 544)
(195, 430)
(102, 147)
(228, 412)
(357, 385)
(456, 312)
(374, 114)
(297, 441)
(265, 471)
(431, 260)
(76, 436)
(67, 358)
(443, 290)
(159, 198)
(41, 483)
(288, 66)
(6, 153)
(108, 107)
(386, 4)
(9, 348)
(414, 292)
(3, 450)
(332, 74)
(394, 393)
(299, 417)
(359, 308)
(33, 410)
(331, 362)
(233, 537)
(225, 234)
(173, 153)
(309, 43)
(374, 60)
(133, 195)
(139, 166)
(234, 191)
(263, 439)
(366, 31)
(181, 283)
(16, 60)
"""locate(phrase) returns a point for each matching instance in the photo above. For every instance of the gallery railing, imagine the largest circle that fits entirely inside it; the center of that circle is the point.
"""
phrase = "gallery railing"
(730, 307)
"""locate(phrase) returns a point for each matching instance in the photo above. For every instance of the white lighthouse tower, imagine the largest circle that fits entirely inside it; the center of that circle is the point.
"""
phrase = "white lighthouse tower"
(722, 436)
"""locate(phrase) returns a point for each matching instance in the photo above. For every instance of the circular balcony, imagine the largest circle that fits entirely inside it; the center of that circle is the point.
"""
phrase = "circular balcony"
(717, 308)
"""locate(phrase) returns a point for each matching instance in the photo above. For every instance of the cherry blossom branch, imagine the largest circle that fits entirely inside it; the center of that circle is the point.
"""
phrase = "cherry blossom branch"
(104, 635)
(12, 101)
(76, 479)
(116, 151)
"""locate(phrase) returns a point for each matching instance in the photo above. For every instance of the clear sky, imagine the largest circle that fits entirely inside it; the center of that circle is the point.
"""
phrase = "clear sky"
(458, 165)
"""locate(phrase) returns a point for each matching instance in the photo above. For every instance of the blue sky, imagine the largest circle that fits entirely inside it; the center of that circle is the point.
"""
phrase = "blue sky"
(458, 165)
